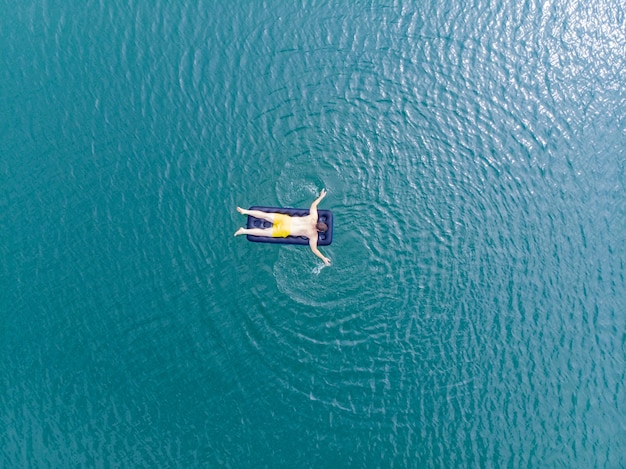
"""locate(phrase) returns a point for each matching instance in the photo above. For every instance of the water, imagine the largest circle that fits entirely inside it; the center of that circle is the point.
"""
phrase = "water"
(475, 159)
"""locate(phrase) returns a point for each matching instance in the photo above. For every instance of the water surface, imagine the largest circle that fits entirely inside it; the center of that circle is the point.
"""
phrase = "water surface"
(475, 159)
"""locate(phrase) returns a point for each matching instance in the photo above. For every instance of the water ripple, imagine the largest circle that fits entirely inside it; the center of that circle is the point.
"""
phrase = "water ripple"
(474, 158)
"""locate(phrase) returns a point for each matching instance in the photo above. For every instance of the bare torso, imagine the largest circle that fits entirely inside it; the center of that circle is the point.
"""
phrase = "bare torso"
(304, 226)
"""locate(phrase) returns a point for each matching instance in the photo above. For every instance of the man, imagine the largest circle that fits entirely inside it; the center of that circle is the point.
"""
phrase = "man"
(284, 226)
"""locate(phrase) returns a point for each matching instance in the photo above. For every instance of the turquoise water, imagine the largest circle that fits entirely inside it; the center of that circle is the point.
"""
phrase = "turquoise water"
(475, 159)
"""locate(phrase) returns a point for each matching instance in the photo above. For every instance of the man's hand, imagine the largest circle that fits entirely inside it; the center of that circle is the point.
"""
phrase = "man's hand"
(323, 193)
(326, 261)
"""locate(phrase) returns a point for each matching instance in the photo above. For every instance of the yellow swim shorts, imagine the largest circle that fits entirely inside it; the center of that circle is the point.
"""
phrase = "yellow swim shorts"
(282, 226)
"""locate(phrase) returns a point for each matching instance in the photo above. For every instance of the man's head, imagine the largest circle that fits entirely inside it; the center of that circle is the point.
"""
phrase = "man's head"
(321, 227)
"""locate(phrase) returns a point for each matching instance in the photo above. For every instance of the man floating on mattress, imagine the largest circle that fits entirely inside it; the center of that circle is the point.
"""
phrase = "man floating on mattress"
(285, 225)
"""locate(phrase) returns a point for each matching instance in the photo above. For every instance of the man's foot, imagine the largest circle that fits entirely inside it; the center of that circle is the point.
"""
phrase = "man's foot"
(241, 210)
(239, 231)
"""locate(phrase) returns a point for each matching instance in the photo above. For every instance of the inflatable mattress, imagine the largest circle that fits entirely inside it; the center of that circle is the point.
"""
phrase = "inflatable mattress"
(324, 239)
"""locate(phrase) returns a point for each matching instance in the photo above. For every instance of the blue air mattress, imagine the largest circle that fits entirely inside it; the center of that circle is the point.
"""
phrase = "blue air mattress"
(323, 239)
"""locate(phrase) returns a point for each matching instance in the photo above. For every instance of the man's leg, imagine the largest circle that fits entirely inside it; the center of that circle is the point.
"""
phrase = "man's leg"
(254, 231)
(257, 214)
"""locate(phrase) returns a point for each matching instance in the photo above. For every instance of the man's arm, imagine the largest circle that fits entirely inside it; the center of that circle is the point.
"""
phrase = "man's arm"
(313, 209)
(316, 251)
